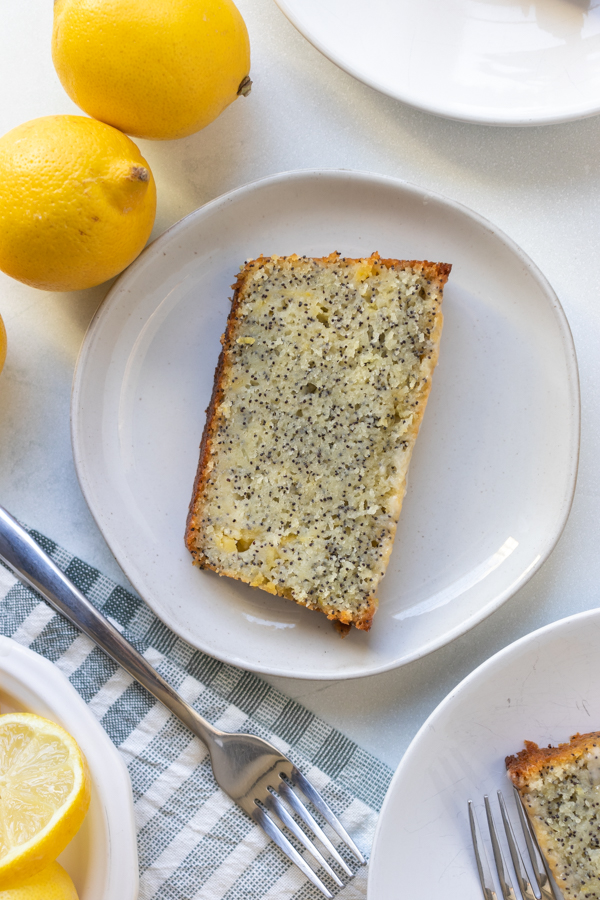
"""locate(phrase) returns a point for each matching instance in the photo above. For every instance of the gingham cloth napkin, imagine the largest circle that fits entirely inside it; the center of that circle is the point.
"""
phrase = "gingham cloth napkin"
(194, 843)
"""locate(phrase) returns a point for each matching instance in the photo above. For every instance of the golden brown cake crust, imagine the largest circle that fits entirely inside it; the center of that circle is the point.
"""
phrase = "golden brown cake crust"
(559, 790)
(530, 761)
(435, 272)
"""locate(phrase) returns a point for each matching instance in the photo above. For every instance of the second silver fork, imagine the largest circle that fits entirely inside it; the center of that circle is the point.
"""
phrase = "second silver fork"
(537, 863)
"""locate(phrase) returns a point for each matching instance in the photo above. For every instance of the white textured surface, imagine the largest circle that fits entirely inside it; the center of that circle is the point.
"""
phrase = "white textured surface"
(541, 185)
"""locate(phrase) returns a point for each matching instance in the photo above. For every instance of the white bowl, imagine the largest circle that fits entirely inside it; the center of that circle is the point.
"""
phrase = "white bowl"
(102, 858)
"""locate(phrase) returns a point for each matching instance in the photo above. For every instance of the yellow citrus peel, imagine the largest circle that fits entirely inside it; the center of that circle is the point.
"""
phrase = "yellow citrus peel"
(2, 344)
(157, 70)
(77, 202)
(52, 883)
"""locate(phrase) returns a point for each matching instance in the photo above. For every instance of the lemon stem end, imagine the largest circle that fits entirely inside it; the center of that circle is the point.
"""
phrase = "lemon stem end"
(139, 173)
(245, 87)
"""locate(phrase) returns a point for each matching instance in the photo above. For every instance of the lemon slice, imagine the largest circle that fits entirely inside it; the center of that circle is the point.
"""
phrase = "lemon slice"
(52, 883)
(44, 794)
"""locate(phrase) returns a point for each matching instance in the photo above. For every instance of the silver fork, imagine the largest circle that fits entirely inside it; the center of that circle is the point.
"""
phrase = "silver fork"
(537, 863)
(250, 770)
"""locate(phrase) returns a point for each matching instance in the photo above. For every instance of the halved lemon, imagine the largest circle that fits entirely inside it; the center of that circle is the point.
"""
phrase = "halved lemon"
(44, 794)
(52, 883)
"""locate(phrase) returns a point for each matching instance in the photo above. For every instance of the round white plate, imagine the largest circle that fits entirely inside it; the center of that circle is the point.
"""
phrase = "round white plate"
(492, 475)
(543, 688)
(497, 62)
(102, 857)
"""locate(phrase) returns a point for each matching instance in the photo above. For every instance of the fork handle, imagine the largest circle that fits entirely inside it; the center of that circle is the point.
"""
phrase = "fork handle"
(29, 562)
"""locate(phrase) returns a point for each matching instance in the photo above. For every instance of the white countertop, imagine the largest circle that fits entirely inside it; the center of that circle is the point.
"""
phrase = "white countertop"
(540, 185)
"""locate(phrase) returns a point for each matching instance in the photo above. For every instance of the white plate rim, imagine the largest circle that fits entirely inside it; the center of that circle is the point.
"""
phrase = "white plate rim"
(155, 248)
(478, 115)
(497, 659)
(41, 677)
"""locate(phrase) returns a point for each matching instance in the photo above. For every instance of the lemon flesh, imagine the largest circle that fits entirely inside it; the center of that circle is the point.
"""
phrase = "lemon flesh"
(44, 794)
(52, 883)
(77, 202)
(2, 344)
(157, 70)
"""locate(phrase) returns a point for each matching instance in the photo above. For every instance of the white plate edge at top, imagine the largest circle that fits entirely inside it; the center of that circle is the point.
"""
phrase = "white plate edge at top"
(474, 676)
(367, 177)
(475, 118)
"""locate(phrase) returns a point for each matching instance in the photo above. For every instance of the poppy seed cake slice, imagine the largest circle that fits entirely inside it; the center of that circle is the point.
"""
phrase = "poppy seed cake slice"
(318, 396)
(560, 789)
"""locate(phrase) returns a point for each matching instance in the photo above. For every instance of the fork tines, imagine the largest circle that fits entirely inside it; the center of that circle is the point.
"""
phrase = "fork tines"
(536, 861)
(273, 804)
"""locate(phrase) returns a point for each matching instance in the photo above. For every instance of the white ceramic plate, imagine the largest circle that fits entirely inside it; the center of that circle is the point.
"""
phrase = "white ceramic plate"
(543, 688)
(493, 473)
(102, 857)
(498, 62)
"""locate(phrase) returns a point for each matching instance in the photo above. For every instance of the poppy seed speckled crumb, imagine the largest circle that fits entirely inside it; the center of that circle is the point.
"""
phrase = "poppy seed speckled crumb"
(560, 790)
(319, 393)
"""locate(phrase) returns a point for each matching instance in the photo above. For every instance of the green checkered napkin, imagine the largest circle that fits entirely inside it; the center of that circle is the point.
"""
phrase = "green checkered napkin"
(194, 843)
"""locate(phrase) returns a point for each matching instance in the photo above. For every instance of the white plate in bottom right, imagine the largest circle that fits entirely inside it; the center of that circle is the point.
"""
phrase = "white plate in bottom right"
(543, 688)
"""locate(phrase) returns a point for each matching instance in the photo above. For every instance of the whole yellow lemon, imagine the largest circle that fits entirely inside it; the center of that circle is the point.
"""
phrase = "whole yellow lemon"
(52, 883)
(77, 202)
(156, 69)
(2, 344)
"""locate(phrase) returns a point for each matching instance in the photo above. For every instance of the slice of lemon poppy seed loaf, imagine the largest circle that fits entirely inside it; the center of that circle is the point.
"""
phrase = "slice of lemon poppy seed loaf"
(318, 396)
(560, 789)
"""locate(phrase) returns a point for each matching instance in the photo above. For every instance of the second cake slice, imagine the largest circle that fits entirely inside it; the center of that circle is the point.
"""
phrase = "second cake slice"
(319, 393)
